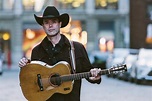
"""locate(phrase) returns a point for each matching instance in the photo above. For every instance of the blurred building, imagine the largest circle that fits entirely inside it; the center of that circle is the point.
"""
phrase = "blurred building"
(140, 24)
(90, 21)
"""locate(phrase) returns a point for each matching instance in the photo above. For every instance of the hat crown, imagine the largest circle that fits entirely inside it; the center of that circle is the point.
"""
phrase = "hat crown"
(51, 11)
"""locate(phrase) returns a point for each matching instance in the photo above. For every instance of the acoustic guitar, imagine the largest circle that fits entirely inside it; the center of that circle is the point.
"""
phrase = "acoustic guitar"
(39, 82)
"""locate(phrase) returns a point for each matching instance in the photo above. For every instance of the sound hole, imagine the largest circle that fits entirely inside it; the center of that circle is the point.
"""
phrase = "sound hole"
(55, 79)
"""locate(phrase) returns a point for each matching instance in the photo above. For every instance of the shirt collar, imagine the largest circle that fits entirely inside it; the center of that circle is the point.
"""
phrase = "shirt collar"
(63, 41)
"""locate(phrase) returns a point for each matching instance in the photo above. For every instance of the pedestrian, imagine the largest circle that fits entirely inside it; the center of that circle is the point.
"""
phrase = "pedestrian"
(55, 47)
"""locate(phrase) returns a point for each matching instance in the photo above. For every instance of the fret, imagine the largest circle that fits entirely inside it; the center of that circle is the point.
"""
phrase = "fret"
(103, 72)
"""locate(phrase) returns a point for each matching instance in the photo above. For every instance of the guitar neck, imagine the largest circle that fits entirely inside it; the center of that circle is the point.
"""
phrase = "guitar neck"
(79, 76)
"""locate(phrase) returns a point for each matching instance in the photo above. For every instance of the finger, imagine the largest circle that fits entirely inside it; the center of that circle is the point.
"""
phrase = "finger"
(24, 59)
(94, 72)
(23, 62)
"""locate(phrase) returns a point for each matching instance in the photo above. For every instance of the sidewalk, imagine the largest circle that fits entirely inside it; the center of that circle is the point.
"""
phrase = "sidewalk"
(109, 90)
(13, 67)
(9, 84)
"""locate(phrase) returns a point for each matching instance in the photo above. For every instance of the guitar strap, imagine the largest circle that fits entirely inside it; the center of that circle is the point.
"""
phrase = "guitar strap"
(72, 57)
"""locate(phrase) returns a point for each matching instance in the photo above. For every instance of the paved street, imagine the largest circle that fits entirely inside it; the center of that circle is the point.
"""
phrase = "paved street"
(116, 90)
(109, 90)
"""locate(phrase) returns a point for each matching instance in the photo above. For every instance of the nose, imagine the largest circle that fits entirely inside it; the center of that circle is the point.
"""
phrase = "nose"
(50, 25)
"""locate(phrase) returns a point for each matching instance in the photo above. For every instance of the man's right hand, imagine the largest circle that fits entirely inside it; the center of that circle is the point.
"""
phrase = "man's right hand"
(23, 62)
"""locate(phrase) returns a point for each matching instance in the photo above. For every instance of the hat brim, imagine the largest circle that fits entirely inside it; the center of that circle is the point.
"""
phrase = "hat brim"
(64, 18)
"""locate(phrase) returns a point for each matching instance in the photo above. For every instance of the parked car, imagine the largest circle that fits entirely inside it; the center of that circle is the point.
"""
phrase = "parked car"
(1, 67)
(141, 70)
(122, 56)
(129, 61)
(1, 63)
(116, 58)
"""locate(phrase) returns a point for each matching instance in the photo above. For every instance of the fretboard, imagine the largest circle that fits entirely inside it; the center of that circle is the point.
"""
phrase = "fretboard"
(81, 75)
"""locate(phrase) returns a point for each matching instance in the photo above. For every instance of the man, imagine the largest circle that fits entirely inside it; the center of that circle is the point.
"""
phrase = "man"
(56, 47)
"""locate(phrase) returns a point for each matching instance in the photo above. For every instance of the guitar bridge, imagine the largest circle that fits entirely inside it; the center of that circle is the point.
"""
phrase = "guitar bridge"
(39, 81)
(67, 88)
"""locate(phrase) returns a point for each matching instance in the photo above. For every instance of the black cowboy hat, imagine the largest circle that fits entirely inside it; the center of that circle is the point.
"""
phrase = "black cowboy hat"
(52, 12)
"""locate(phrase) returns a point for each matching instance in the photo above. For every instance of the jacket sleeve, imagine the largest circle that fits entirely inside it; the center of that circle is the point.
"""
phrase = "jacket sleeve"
(86, 65)
(91, 67)
(35, 54)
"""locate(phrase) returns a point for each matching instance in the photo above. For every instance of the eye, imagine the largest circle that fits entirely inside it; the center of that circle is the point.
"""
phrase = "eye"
(45, 21)
(55, 20)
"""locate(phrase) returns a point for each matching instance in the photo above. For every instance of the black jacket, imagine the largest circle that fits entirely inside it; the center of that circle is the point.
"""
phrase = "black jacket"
(51, 55)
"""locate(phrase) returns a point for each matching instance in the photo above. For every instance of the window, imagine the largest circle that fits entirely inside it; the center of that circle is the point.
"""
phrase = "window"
(149, 11)
(75, 31)
(38, 5)
(28, 4)
(106, 4)
(69, 4)
(149, 26)
(1, 4)
(149, 34)
(34, 5)
(6, 4)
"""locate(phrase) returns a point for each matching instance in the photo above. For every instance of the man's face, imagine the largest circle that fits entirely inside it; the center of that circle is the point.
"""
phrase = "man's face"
(51, 26)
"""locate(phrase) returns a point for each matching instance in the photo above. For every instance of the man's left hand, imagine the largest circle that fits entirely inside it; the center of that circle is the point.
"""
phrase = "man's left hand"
(95, 74)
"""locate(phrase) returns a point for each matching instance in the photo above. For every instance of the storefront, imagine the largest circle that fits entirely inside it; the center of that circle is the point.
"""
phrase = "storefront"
(32, 36)
(87, 24)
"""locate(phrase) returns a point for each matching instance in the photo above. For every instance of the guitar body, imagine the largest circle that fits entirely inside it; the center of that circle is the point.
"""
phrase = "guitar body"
(30, 85)
(40, 81)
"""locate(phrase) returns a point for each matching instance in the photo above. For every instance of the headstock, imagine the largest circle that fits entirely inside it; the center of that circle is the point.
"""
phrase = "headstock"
(120, 68)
